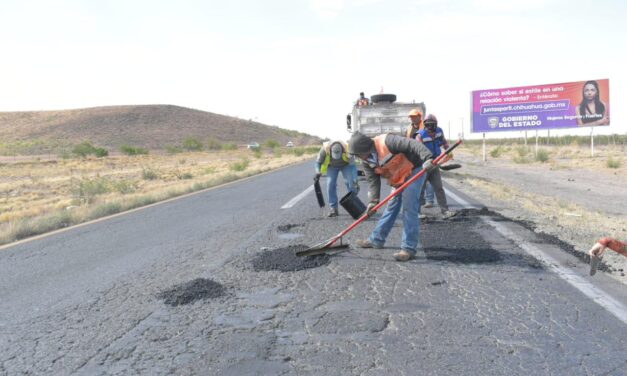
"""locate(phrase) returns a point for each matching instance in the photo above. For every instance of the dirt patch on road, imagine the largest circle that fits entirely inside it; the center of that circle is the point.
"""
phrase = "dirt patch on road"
(189, 292)
(285, 260)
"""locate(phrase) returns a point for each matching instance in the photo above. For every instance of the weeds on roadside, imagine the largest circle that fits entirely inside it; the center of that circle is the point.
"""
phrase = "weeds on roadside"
(229, 146)
(86, 148)
(173, 149)
(257, 154)
(86, 190)
(613, 163)
(213, 144)
(124, 186)
(496, 152)
(133, 150)
(542, 156)
(239, 166)
(184, 175)
(192, 144)
(149, 174)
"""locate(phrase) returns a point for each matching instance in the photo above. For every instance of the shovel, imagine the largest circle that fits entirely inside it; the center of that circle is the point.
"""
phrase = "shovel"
(326, 245)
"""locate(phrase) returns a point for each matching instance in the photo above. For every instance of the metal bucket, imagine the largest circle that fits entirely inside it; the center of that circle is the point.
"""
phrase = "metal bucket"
(353, 205)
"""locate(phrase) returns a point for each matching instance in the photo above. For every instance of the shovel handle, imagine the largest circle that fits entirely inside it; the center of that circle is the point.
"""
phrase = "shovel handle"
(396, 192)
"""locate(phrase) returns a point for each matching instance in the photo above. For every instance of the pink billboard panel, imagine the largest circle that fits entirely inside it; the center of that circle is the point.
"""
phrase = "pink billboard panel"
(551, 106)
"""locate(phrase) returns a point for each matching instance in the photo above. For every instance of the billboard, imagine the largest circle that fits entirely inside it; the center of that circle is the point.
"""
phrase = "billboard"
(551, 106)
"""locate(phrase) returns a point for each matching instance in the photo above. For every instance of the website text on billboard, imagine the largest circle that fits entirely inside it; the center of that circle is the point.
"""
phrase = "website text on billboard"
(551, 106)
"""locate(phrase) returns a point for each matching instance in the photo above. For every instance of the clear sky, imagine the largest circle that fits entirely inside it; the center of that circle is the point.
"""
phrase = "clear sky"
(300, 64)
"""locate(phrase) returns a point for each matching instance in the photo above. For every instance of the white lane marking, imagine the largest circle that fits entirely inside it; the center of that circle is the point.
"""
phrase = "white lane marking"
(465, 204)
(293, 201)
(597, 295)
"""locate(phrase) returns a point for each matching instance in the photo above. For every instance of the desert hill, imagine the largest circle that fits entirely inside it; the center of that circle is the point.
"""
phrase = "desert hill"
(148, 126)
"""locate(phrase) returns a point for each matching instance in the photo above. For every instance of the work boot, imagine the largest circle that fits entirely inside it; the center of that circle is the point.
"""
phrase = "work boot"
(365, 243)
(333, 213)
(429, 204)
(403, 255)
(446, 214)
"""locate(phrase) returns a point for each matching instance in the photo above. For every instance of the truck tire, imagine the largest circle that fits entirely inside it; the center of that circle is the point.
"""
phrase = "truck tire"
(383, 98)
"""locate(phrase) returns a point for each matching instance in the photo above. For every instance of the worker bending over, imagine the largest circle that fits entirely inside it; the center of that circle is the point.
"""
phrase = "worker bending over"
(333, 158)
(396, 159)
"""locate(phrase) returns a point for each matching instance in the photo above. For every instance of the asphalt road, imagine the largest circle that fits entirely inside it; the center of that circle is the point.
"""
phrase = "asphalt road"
(88, 301)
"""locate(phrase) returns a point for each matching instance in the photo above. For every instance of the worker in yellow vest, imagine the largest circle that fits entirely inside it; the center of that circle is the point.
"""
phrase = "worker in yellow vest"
(397, 159)
(333, 158)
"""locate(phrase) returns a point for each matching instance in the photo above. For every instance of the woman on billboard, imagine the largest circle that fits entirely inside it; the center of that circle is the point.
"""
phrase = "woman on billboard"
(591, 111)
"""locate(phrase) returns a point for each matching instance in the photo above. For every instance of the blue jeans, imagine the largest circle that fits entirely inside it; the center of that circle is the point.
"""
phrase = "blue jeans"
(409, 200)
(349, 173)
(429, 193)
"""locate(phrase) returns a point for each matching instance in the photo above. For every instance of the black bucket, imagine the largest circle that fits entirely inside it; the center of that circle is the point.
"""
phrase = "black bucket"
(353, 205)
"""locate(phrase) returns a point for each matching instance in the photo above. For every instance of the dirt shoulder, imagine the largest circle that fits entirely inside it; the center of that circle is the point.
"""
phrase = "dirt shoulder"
(576, 199)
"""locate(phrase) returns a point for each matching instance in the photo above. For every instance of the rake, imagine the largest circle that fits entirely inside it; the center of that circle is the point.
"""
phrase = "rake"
(329, 244)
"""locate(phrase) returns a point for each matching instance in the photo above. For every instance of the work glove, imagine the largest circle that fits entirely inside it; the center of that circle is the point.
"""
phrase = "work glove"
(317, 176)
(428, 165)
(371, 206)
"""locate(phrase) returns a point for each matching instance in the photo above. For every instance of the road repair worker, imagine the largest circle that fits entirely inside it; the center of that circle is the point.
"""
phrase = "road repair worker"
(362, 101)
(416, 124)
(333, 158)
(396, 158)
(615, 245)
(432, 137)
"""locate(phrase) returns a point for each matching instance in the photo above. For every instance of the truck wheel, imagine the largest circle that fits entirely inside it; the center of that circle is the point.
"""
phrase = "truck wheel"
(383, 98)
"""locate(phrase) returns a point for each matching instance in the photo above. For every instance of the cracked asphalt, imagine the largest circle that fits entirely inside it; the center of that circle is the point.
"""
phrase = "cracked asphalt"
(87, 301)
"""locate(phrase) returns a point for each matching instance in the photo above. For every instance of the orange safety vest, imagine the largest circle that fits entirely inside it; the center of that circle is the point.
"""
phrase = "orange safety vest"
(397, 169)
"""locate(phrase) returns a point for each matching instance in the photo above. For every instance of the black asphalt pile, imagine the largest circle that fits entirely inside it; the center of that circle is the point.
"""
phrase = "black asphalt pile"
(462, 246)
(464, 256)
(189, 292)
(286, 228)
(476, 212)
(285, 260)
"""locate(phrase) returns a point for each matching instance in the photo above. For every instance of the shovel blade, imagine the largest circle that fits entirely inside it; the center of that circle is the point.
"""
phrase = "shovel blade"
(322, 248)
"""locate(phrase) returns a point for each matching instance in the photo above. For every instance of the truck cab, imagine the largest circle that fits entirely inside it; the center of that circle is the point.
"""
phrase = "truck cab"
(383, 115)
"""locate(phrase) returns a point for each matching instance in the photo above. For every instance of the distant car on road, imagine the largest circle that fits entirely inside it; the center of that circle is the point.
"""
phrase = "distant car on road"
(252, 145)
(290, 144)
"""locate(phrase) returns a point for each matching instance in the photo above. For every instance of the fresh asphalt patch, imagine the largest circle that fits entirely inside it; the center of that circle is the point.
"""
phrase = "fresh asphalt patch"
(285, 260)
(545, 238)
(288, 227)
(189, 292)
(449, 240)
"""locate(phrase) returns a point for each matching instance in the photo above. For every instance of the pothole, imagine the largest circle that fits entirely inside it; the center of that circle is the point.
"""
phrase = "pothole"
(189, 292)
(289, 226)
(285, 260)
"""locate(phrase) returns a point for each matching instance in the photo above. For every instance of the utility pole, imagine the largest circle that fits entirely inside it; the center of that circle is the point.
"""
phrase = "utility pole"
(462, 119)
(449, 130)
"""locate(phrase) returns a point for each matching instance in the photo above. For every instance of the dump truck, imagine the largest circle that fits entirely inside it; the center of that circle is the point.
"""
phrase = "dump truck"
(383, 115)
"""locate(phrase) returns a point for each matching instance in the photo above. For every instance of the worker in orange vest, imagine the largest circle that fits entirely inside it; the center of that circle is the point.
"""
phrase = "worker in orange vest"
(397, 159)
(362, 101)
